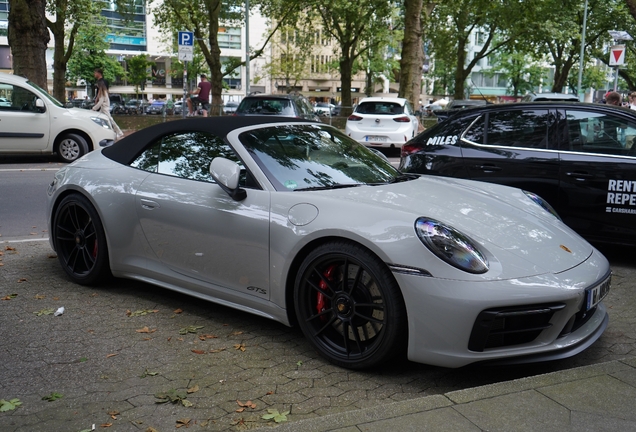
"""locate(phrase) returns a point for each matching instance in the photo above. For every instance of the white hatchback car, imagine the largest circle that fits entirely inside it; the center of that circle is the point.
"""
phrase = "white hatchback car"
(382, 122)
(32, 121)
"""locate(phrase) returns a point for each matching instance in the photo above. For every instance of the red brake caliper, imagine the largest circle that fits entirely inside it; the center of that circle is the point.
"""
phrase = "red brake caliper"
(320, 300)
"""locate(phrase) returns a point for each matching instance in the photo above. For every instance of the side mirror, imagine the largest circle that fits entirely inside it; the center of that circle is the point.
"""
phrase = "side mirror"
(226, 174)
(39, 105)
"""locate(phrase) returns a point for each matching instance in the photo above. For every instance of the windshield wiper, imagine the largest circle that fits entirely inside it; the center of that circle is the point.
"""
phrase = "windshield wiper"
(333, 186)
(402, 177)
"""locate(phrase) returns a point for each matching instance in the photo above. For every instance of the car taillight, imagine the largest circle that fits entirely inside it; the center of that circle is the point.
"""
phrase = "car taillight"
(354, 117)
(402, 120)
(408, 149)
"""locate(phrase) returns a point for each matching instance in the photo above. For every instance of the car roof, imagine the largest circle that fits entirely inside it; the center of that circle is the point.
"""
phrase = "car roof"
(400, 101)
(16, 79)
(273, 96)
(551, 96)
(127, 149)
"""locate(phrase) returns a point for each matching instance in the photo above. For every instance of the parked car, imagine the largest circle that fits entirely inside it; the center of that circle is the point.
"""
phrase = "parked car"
(465, 103)
(580, 157)
(324, 109)
(156, 107)
(4, 102)
(178, 107)
(368, 262)
(286, 105)
(549, 97)
(34, 122)
(136, 106)
(382, 122)
(230, 107)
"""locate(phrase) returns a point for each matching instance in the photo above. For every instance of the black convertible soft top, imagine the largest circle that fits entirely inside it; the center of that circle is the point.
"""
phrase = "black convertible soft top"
(127, 149)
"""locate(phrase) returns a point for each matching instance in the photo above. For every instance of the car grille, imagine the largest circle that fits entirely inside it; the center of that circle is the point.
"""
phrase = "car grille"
(503, 327)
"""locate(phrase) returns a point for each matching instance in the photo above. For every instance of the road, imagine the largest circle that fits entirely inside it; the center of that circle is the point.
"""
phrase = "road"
(23, 183)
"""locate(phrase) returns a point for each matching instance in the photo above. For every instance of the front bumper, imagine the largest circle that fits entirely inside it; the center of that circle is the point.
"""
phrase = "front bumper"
(442, 315)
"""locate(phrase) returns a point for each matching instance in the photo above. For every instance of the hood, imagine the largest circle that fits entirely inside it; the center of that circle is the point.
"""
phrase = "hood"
(498, 217)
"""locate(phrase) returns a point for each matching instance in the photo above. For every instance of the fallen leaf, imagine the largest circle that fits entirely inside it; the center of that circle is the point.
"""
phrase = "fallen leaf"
(53, 397)
(178, 311)
(269, 393)
(198, 351)
(193, 389)
(32, 233)
(113, 414)
(47, 311)
(189, 329)
(236, 333)
(275, 415)
(22, 280)
(9, 297)
(9, 248)
(186, 403)
(248, 404)
(240, 347)
(51, 256)
(240, 410)
(112, 355)
(142, 312)
(207, 336)
(106, 425)
(9, 405)
(39, 296)
(148, 373)
(183, 422)
(146, 330)
(218, 350)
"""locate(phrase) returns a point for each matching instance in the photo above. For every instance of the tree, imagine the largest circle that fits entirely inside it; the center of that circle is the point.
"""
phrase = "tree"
(293, 48)
(90, 53)
(353, 23)
(77, 12)
(453, 23)
(522, 72)
(138, 71)
(28, 38)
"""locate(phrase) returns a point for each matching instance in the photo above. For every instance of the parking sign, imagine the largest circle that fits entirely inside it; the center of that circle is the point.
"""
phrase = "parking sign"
(186, 38)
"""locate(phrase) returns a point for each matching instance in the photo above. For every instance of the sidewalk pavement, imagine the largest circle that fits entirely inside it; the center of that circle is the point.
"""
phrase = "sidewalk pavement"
(600, 397)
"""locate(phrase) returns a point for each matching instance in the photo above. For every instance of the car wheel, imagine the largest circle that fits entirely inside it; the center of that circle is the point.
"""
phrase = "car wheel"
(349, 306)
(79, 241)
(71, 147)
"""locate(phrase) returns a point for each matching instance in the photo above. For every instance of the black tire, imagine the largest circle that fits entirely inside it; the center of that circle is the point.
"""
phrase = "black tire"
(358, 324)
(80, 242)
(71, 147)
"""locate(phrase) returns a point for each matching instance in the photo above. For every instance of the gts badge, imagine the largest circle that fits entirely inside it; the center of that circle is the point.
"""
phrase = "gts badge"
(442, 140)
(256, 290)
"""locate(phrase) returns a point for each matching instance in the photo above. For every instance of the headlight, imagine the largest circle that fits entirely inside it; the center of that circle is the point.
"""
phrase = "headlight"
(542, 203)
(102, 122)
(451, 246)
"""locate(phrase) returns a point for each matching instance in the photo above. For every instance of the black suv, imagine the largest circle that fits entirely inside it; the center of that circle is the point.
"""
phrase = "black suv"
(579, 157)
(286, 105)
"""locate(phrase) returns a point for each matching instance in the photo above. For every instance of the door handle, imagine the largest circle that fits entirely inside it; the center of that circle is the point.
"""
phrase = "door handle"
(148, 204)
(487, 167)
(580, 175)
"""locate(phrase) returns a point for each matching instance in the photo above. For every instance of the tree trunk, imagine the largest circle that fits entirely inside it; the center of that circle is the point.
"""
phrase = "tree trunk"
(213, 56)
(59, 58)
(412, 55)
(28, 37)
(561, 76)
(460, 72)
(346, 68)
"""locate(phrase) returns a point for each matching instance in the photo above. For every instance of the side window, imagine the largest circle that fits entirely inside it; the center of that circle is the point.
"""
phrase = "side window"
(600, 133)
(477, 131)
(518, 128)
(187, 155)
(15, 98)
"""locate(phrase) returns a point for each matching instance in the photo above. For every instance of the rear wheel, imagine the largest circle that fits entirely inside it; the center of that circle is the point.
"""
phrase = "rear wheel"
(79, 241)
(349, 306)
(71, 147)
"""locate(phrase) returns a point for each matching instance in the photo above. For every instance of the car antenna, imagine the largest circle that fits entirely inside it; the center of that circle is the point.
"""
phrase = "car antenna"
(480, 93)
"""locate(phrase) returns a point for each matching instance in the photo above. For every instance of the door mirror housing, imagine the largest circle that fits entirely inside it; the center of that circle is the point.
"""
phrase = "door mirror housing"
(226, 174)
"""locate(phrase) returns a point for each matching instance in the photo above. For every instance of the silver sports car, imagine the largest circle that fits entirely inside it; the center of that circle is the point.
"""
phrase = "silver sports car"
(294, 221)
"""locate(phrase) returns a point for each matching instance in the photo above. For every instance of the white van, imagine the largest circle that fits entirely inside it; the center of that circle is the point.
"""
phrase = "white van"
(32, 121)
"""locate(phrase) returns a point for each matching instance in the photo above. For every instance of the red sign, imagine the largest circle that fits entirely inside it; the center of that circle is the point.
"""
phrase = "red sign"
(617, 55)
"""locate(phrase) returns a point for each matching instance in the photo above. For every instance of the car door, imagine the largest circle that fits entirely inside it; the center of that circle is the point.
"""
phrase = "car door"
(415, 124)
(193, 226)
(23, 126)
(598, 173)
(514, 147)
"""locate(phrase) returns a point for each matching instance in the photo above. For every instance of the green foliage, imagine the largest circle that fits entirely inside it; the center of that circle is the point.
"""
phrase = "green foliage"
(522, 72)
(9, 405)
(189, 329)
(53, 397)
(273, 414)
(173, 396)
(139, 71)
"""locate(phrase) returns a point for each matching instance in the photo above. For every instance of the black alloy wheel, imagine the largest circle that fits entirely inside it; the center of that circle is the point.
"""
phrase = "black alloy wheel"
(349, 306)
(79, 241)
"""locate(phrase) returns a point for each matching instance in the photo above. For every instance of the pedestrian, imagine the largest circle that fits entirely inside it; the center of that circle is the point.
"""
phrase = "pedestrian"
(102, 104)
(169, 106)
(613, 98)
(632, 100)
(200, 95)
(99, 77)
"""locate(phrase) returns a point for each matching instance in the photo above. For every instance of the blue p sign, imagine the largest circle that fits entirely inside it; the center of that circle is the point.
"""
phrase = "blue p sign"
(186, 38)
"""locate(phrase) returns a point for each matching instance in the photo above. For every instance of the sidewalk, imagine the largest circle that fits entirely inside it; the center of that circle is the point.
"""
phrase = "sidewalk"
(596, 398)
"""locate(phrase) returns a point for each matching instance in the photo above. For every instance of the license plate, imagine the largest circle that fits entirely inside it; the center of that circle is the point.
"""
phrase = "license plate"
(375, 138)
(595, 295)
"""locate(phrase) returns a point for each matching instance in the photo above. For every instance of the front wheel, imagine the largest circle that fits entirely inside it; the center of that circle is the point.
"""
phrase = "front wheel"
(349, 306)
(71, 147)
(80, 241)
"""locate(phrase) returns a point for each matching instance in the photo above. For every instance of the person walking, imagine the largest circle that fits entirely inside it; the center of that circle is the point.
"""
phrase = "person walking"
(200, 94)
(102, 104)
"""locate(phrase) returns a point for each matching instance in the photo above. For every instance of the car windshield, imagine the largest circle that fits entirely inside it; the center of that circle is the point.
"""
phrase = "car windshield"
(305, 157)
(46, 94)
(384, 108)
(266, 106)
